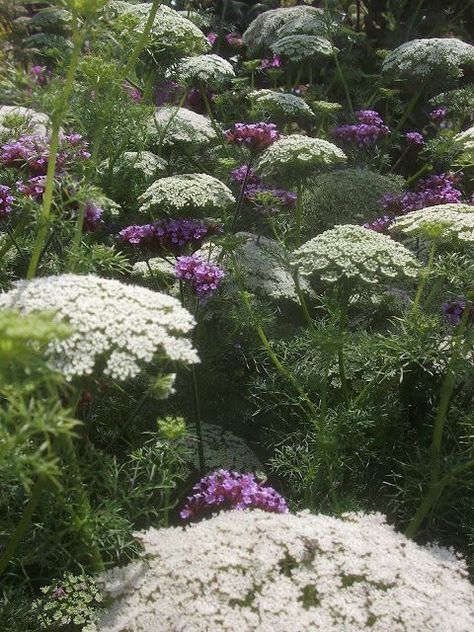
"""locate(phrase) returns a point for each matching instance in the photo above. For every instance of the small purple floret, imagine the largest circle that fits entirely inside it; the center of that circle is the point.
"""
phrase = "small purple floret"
(415, 138)
(255, 136)
(203, 276)
(6, 200)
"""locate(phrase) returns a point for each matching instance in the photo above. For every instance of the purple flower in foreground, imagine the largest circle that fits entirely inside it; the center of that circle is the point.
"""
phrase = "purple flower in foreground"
(212, 38)
(6, 200)
(381, 224)
(234, 39)
(438, 114)
(238, 175)
(39, 74)
(232, 490)
(274, 62)
(453, 311)
(170, 235)
(204, 277)
(366, 133)
(34, 188)
(255, 136)
(415, 138)
(92, 217)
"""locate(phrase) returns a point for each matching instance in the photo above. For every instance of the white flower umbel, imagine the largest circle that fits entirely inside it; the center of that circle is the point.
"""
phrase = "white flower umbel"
(280, 105)
(208, 70)
(444, 222)
(267, 572)
(465, 142)
(294, 157)
(426, 58)
(187, 194)
(14, 116)
(116, 327)
(179, 126)
(299, 47)
(356, 255)
(264, 30)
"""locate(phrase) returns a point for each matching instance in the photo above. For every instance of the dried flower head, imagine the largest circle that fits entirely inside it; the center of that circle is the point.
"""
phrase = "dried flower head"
(294, 157)
(172, 126)
(116, 326)
(259, 571)
(445, 222)
(356, 255)
(189, 194)
(209, 70)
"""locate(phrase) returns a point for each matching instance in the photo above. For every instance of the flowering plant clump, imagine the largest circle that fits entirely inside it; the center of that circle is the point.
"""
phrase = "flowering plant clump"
(432, 191)
(278, 571)
(438, 115)
(447, 222)
(210, 70)
(366, 133)
(297, 155)
(354, 254)
(255, 136)
(281, 105)
(116, 326)
(169, 235)
(190, 192)
(231, 490)
(180, 127)
(425, 58)
(204, 277)
(415, 138)
(6, 200)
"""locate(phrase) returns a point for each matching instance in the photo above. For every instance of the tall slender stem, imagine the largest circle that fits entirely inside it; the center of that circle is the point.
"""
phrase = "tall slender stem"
(198, 423)
(76, 240)
(78, 37)
(343, 306)
(298, 213)
(336, 60)
(423, 278)
(241, 196)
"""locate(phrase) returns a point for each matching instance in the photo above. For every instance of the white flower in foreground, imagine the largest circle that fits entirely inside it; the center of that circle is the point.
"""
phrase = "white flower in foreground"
(444, 222)
(115, 325)
(293, 157)
(210, 70)
(355, 254)
(299, 46)
(189, 193)
(270, 572)
(424, 58)
(280, 105)
(11, 115)
(180, 126)
(465, 142)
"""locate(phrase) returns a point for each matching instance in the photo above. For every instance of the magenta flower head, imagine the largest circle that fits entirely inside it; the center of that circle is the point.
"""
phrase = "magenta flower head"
(34, 188)
(366, 133)
(92, 217)
(369, 117)
(239, 174)
(169, 235)
(231, 490)
(438, 115)
(453, 311)
(212, 38)
(6, 200)
(274, 62)
(255, 136)
(39, 74)
(381, 224)
(204, 277)
(234, 39)
(414, 138)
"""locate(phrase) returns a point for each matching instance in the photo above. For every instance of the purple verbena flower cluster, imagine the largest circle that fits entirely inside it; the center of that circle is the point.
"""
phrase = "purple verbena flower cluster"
(172, 235)
(269, 63)
(32, 153)
(34, 187)
(366, 133)
(381, 224)
(234, 39)
(414, 138)
(255, 136)
(436, 189)
(438, 115)
(204, 277)
(239, 173)
(212, 38)
(232, 490)
(40, 75)
(453, 310)
(92, 217)
(266, 198)
(6, 200)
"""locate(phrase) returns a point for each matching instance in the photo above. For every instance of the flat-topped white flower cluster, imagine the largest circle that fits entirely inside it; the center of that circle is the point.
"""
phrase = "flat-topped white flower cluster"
(180, 126)
(271, 572)
(444, 222)
(297, 155)
(115, 325)
(465, 141)
(211, 70)
(280, 104)
(355, 254)
(195, 193)
(427, 57)
(299, 46)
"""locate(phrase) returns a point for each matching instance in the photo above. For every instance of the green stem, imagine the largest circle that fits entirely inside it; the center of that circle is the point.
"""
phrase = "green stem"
(22, 525)
(419, 173)
(336, 61)
(298, 213)
(76, 240)
(240, 199)
(302, 300)
(423, 278)
(78, 38)
(340, 349)
(198, 423)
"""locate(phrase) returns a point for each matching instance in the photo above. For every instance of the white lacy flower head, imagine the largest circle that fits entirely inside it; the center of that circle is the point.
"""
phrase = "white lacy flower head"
(444, 222)
(293, 157)
(115, 325)
(186, 194)
(465, 142)
(355, 254)
(222, 450)
(425, 58)
(34, 122)
(269, 572)
(180, 126)
(171, 34)
(280, 105)
(156, 266)
(264, 30)
(299, 47)
(144, 162)
(210, 70)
